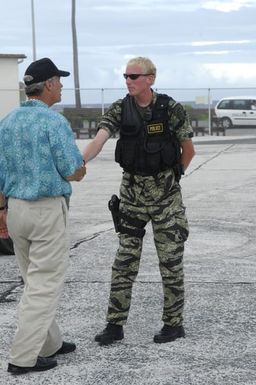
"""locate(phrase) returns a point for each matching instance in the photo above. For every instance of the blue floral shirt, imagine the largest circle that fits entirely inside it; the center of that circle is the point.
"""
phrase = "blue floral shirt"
(37, 151)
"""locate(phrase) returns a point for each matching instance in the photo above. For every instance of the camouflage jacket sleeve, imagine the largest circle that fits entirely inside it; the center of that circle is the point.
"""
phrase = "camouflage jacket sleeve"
(179, 120)
(112, 118)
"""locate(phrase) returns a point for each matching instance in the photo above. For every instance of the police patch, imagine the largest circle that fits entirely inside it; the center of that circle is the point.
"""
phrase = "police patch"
(155, 128)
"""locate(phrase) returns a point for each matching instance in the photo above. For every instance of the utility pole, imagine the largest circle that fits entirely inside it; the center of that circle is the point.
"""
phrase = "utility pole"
(33, 30)
(75, 57)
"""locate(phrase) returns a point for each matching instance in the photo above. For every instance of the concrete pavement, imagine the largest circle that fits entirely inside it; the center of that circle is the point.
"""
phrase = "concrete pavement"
(220, 270)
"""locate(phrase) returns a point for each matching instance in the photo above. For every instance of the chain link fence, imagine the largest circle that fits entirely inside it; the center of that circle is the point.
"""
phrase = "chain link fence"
(199, 103)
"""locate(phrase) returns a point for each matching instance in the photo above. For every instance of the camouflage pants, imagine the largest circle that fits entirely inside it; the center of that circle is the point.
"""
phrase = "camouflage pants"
(157, 200)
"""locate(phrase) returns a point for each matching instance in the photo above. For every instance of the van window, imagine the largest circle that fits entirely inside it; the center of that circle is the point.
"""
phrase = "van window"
(241, 105)
(234, 104)
(225, 105)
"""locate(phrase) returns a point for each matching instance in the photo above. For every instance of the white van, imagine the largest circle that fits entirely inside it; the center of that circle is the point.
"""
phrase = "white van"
(237, 111)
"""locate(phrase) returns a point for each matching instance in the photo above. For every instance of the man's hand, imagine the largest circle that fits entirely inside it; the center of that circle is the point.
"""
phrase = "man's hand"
(3, 226)
(78, 174)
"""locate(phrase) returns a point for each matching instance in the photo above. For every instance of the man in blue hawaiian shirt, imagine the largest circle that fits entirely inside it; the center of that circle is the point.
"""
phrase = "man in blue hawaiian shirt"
(38, 159)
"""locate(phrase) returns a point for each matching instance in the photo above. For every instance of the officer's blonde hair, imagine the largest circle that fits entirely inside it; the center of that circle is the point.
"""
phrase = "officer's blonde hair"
(144, 62)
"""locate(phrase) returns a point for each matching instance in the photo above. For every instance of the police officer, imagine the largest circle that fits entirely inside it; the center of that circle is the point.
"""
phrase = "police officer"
(154, 149)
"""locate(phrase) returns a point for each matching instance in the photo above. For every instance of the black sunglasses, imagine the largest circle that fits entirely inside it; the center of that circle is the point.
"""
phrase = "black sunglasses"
(134, 76)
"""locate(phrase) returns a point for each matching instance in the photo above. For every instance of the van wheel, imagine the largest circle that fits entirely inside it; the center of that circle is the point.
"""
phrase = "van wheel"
(226, 123)
(6, 247)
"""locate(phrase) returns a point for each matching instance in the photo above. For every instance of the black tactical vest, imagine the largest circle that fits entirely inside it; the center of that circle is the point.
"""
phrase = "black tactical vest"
(147, 145)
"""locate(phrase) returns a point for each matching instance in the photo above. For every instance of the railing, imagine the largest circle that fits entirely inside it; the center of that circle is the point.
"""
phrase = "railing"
(199, 102)
(206, 97)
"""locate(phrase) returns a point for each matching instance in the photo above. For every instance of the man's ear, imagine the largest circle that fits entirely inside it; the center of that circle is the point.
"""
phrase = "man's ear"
(48, 85)
(151, 79)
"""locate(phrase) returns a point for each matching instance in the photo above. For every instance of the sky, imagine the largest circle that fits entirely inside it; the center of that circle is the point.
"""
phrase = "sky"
(193, 43)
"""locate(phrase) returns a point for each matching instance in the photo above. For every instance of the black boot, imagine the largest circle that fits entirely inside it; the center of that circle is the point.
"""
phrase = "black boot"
(66, 347)
(110, 334)
(42, 364)
(169, 333)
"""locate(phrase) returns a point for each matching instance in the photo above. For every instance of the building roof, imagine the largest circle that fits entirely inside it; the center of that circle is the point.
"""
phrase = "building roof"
(12, 56)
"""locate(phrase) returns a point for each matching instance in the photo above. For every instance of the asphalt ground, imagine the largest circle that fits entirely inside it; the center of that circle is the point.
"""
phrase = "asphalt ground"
(220, 281)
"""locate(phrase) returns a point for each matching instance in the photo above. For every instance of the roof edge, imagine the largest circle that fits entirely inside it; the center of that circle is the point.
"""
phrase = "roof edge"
(12, 55)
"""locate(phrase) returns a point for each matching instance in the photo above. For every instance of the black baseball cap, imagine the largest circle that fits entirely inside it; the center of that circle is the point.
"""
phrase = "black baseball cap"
(41, 70)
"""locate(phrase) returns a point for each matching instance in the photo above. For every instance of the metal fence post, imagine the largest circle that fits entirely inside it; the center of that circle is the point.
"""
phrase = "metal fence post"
(102, 101)
(209, 112)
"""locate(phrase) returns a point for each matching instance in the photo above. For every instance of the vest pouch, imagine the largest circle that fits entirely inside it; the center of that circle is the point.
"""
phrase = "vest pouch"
(125, 153)
(118, 151)
(128, 130)
(153, 156)
(168, 155)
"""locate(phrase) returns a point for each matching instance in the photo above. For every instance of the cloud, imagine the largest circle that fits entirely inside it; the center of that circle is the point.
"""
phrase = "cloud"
(173, 5)
(133, 5)
(188, 40)
(228, 6)
(232, 73)
(220, 42)
(223, 52)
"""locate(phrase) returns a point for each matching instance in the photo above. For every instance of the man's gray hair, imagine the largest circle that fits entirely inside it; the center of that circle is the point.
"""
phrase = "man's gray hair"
(36, 89)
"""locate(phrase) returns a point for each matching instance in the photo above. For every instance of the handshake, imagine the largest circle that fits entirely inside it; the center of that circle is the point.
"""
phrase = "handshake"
(78, 174)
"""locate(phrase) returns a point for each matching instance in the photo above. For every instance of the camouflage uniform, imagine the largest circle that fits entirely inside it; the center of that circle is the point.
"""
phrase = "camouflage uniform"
(157, 199)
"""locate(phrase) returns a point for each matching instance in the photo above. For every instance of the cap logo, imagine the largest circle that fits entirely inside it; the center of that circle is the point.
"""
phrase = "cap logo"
(28, 78)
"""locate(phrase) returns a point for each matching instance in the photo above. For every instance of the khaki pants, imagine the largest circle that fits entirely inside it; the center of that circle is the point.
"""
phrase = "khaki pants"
(39, 230)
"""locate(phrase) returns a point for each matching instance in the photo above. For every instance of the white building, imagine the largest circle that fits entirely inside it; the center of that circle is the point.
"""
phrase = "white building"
(9, 82)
